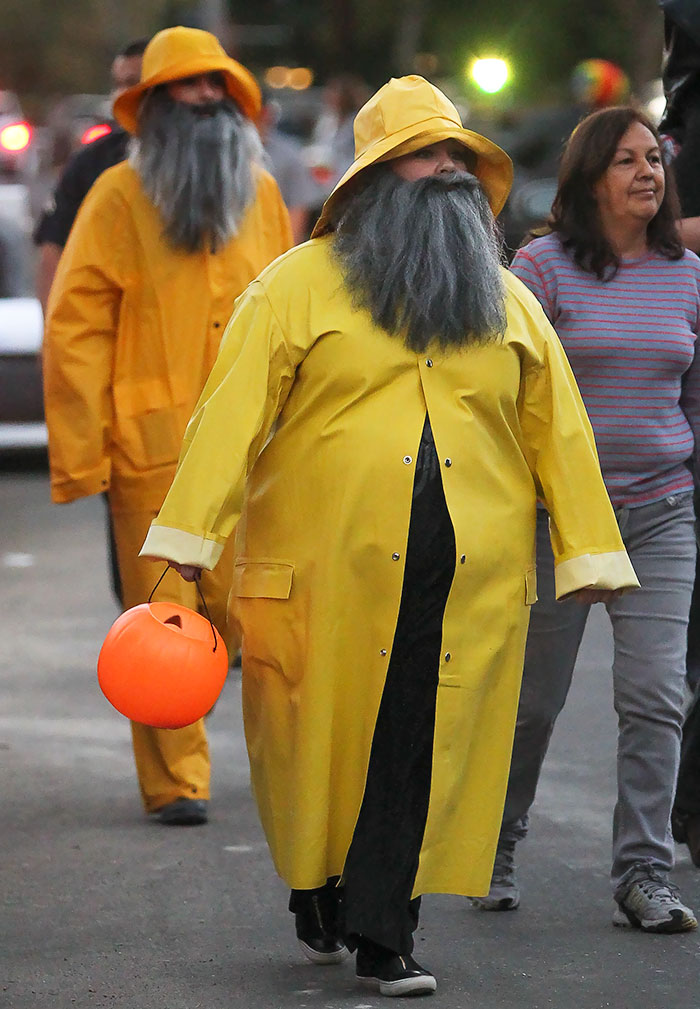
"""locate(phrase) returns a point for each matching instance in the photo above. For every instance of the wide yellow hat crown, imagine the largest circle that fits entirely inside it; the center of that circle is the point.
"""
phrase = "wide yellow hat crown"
(180, 52)
(403, 104)
(408, 113)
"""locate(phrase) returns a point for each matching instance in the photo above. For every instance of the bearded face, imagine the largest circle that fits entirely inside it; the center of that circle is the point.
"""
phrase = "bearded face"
(198, 164)
(423, 257)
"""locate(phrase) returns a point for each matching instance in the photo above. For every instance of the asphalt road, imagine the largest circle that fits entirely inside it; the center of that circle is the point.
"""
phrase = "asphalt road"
(102, 907)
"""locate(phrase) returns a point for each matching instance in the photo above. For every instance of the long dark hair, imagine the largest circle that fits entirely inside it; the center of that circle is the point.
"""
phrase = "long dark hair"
(575, 216)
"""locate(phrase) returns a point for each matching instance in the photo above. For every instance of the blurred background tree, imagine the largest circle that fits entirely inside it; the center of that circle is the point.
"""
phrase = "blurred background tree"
(542, 39)
(66, 46)
(49, 49)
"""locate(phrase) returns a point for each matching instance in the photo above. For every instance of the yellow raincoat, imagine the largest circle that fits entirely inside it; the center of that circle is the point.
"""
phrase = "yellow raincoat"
(305, 440)
(132, 330)
(144, 322)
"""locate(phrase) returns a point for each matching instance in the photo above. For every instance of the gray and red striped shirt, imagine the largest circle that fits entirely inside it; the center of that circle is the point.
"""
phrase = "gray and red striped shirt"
(631, 342)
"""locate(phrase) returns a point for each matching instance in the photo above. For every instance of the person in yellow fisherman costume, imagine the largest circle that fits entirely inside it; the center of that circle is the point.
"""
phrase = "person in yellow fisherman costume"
(161, 248)
(387, 406)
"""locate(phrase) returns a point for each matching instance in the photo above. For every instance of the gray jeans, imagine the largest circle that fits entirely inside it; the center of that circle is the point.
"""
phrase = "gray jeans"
(649, 631)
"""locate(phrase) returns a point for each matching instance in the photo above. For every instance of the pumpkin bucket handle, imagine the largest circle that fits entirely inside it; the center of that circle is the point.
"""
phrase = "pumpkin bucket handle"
(201, 596)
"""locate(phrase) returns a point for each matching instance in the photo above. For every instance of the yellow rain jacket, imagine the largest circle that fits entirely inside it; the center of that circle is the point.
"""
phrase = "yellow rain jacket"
(305, 441)
(132, 330)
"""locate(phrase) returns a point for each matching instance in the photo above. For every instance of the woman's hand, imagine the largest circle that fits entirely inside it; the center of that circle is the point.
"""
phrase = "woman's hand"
(187, 571)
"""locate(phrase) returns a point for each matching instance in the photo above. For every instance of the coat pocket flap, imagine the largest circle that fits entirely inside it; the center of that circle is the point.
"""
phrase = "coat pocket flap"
(265, 579)
(531, 587)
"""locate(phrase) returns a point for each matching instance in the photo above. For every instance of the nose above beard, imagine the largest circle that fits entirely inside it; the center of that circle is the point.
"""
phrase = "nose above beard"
(452, 180)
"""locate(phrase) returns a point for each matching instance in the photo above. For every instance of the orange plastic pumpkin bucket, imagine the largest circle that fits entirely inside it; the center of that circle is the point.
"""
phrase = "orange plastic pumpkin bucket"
(162, 664)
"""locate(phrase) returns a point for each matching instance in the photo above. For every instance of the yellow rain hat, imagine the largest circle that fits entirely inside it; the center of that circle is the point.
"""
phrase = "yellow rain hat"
(406, 114)
(181, 52)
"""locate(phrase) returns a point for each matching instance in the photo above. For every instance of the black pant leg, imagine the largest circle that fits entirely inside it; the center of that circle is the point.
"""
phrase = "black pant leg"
(382, 862)
(687, 801)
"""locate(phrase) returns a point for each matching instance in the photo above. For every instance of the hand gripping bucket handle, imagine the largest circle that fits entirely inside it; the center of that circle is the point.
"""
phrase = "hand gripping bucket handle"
(201, 596)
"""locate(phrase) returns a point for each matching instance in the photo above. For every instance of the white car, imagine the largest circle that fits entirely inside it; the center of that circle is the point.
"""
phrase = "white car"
(21, 326)
(17, 153)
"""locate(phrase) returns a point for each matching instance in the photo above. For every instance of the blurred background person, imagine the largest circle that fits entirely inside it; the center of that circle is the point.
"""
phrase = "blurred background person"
(53, 228)
(161, 247)
(332, 147)
(594, 84)
(681, 127)
(623, 294)
(537, 146)
(51, 232)
(680, 124)
(290, 169)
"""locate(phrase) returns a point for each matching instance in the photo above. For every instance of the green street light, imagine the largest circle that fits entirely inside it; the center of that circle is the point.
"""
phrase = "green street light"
(490, 74)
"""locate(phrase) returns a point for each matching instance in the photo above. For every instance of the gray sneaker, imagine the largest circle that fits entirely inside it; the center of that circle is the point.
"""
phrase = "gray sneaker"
(504, 894)
(654, 905)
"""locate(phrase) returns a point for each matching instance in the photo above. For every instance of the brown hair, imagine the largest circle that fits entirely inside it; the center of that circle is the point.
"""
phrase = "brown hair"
(575, 216)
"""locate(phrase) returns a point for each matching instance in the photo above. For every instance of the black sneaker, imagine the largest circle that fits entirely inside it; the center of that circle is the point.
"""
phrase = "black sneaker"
(317, 932)
(393, 974)
(183, 813)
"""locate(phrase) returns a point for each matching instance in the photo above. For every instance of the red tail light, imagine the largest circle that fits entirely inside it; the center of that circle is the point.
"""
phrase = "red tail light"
(95, 132)
(15, 137)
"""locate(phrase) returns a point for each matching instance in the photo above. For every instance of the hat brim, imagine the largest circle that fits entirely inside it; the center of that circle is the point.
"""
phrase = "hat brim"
(493, 168)
(240, 85)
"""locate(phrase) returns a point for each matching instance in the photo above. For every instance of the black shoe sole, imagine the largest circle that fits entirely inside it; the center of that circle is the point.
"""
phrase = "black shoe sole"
(423, 984)
(323, 959)
(192, 821)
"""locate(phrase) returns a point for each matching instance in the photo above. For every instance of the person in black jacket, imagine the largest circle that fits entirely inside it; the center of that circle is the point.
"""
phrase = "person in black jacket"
(52, 231)
(53, 228)
(681, 125)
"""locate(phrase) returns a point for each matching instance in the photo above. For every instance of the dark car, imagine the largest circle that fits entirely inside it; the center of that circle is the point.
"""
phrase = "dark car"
(75, 121)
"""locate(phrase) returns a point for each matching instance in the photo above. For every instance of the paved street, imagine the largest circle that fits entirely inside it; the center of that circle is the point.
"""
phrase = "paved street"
(104, 908)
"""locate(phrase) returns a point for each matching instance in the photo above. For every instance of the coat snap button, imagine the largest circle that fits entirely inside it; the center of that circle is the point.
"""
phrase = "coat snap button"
(395, 557)
(462, 559)
(448, 656)
(382, 651)
(429, 362)
(408, 459)
(448, 462)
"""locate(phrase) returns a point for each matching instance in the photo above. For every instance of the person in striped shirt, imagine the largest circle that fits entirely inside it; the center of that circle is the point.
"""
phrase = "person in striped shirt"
(623, 294)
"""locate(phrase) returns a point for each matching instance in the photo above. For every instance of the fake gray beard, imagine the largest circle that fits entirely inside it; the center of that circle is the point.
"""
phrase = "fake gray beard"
(423, 258)
(198, 166)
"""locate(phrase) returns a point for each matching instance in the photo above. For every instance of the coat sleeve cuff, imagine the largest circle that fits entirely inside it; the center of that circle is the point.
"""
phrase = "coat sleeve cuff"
(595, 571)
(95, 481)
(182, 547)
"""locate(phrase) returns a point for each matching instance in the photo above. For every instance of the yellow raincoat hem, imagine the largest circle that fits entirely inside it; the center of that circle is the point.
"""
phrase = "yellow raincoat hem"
(95, 482)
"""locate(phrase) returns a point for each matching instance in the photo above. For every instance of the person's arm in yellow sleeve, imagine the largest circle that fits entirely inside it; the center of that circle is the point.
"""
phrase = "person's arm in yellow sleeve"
(590, 558)
(78, 351)
(245, 392)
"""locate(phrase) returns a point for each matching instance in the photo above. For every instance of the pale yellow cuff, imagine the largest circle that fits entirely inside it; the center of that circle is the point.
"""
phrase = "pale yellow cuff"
(595, 571)
(182, 547)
